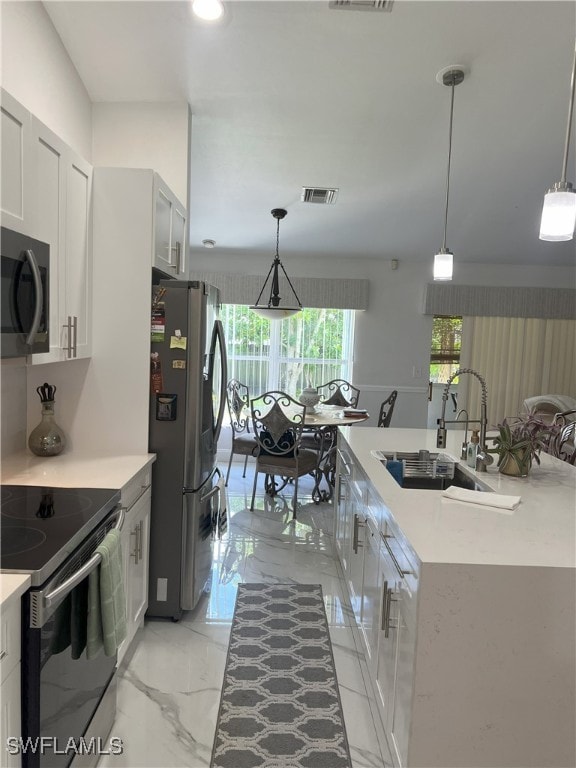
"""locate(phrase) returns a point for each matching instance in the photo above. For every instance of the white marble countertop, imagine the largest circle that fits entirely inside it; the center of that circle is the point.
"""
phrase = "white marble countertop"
(12, 586)
(541, 531)
(71, 470)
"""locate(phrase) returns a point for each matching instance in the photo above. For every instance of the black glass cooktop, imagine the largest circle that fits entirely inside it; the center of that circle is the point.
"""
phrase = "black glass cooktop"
(41, 526)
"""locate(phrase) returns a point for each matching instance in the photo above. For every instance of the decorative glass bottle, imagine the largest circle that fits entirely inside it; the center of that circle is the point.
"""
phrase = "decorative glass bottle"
(47, 439)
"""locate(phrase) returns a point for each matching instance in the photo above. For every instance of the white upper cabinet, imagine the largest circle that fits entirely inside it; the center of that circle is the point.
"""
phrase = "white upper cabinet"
(16, 165)
(46, 194)
(169, 232)
(61, 217)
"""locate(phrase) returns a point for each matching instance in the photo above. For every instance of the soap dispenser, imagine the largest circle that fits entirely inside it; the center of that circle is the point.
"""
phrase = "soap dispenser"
(473, 449)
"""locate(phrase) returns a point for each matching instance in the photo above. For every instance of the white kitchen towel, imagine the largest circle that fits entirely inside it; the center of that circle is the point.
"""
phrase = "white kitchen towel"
(482, 498)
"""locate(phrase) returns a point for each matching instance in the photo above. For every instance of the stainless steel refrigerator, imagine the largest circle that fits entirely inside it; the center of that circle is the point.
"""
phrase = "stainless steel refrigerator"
(188, 383)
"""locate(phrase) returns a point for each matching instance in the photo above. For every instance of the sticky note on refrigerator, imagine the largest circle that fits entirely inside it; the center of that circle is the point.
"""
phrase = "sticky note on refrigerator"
(178, 342)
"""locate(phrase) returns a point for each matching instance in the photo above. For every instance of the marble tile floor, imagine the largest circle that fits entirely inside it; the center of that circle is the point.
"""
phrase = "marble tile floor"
(169, 691)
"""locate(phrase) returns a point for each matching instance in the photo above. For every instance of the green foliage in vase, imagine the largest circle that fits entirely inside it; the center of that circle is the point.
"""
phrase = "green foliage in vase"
(523, 437)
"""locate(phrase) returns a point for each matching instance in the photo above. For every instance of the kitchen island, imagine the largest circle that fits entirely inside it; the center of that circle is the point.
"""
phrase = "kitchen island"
(467, 613)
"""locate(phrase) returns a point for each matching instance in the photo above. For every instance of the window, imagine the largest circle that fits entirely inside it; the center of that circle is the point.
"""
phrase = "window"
(309, 348)
(446, 343)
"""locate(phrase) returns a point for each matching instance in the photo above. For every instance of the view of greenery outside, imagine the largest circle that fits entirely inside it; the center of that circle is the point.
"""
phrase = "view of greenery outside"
(307, 349)
(446, 344)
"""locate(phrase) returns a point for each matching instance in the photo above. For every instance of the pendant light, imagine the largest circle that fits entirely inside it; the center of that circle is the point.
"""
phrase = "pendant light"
(559, 209)
(274, 310)
(208, 10)
(443, 260)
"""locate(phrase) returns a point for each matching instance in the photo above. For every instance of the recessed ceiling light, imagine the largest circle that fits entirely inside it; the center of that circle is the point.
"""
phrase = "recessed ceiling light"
(209, 10)
(208, 243)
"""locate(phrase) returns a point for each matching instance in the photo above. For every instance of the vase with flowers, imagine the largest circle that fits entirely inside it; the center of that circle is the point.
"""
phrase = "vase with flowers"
(519, 443)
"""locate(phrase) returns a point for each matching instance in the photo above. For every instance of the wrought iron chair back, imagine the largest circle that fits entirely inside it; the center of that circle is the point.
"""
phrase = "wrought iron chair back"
(243, 442)
(339, 392)
(563, 445)
(387, 408)
(278, 424)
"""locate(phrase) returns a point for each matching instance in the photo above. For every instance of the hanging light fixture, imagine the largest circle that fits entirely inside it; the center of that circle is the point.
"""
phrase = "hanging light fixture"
(274, 310)
(443, 260)
(559, 209)
(208, 10)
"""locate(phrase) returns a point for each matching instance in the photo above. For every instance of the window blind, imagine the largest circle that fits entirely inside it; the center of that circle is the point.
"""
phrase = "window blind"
(496, 301)
(319, 292)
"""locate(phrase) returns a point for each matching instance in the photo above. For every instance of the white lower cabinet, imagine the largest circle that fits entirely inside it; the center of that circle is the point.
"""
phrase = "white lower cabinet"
(135, 549)
(10, 724)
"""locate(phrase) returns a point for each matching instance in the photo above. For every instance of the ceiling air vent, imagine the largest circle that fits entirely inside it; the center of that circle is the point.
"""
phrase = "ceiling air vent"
(319, 195)
(361, 5)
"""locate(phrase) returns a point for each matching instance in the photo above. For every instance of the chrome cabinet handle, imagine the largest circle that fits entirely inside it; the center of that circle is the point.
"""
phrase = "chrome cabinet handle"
(140, 537)
(68, 326)
(38, 291)
(74, 335)
(384, 619)
(355, 542)
(134, 552)
(385, 537)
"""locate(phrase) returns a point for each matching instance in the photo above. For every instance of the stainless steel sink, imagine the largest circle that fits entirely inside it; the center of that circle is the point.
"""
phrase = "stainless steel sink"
(433, 471)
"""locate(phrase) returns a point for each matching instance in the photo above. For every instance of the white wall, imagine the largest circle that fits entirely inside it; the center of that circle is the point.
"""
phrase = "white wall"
(393, 336)
(38, 72)
(144, 135)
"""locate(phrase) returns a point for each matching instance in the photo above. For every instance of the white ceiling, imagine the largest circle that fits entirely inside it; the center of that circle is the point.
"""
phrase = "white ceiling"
(291, 94)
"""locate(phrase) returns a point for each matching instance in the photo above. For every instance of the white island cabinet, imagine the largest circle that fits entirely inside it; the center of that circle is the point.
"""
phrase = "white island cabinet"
(467, 613)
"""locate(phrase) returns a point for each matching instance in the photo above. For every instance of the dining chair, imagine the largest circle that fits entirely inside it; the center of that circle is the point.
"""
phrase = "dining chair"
(243, 441)
(386, 409)
(339, 392)
(563, 445)
(278, 422)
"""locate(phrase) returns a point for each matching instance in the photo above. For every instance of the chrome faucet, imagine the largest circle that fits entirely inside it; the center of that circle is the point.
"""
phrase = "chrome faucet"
(464, 450)
(483, 458)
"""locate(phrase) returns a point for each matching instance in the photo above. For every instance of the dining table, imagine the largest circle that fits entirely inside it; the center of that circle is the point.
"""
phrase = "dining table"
(321, 424)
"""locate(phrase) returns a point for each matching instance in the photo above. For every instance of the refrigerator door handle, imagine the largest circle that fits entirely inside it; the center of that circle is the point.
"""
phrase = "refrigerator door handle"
(215, 489)
(218, 338)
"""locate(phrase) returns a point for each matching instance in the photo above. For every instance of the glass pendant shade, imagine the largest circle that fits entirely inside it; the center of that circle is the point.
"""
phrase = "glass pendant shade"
(558, 215)
(443, 265)
(275, 313)
(209, 10)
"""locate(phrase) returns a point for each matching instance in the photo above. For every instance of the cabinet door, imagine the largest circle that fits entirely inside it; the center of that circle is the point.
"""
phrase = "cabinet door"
(387, 639)
(371, 593)
(10, 716)
(342, 525)
(405, 653)
(356, 559)
(139, 574)
(48, 225)
(162, 227)
(61, 218)
(78, 275)
(16, 166)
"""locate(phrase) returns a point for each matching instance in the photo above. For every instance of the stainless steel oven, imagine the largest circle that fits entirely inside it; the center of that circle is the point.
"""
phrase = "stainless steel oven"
(68, 698)
(24, 300)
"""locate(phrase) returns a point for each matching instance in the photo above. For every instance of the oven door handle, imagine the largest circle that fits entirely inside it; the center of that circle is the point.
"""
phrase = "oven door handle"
(72, 581)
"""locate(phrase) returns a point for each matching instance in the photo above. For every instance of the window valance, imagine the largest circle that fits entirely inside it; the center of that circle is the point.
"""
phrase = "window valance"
(496, 301)
(319, 292)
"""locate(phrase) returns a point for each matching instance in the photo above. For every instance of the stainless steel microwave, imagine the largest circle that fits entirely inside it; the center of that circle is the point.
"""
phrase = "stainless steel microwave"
(24, 307)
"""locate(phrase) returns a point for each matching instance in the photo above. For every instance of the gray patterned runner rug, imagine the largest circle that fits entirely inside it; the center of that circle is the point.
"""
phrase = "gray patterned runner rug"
(280, 706)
